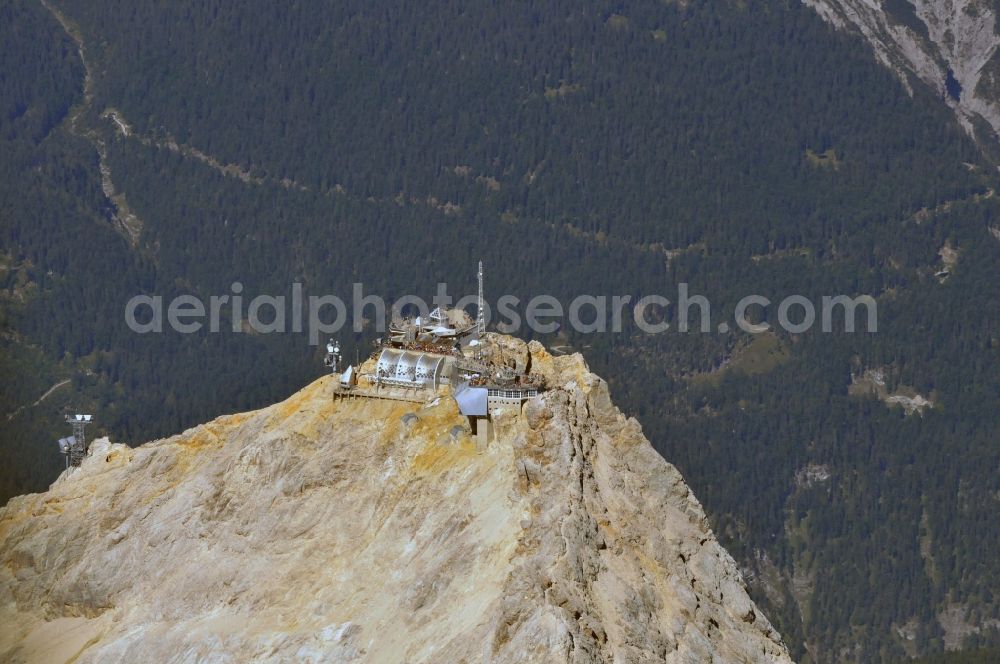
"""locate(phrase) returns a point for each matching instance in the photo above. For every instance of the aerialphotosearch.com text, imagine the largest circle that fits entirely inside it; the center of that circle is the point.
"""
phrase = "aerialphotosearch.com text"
(319, 316)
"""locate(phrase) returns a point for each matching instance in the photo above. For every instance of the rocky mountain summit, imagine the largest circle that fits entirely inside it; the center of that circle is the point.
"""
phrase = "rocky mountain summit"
(950, 45)
(376, 530)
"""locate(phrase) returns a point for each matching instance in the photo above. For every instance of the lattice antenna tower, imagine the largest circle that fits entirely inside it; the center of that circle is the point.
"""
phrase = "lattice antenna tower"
(74, 448)
(332, 358)
(480, 318)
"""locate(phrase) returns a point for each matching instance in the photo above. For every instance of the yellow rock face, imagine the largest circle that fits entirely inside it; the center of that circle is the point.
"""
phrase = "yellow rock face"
(349, 530)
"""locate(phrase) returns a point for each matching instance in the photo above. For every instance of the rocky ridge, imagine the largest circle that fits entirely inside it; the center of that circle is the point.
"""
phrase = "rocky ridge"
(376, 531)
(950, 45)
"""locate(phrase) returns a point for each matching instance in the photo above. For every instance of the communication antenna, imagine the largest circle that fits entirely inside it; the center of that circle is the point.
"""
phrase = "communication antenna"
(480, 318)
(74, 448)
(332, 358)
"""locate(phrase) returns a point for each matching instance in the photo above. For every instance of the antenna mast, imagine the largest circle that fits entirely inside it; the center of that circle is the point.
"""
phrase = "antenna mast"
(480, 319)
(332, 357)
(75, 447)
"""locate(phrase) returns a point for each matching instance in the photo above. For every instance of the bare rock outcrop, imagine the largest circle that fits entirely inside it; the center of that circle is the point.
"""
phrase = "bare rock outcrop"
(950, 45)
(372, 530)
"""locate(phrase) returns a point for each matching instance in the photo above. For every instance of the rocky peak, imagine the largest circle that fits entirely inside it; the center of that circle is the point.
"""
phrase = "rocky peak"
(377, 530)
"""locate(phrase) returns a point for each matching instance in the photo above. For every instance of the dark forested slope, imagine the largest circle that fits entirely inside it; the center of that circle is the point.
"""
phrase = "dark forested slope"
(574, 147)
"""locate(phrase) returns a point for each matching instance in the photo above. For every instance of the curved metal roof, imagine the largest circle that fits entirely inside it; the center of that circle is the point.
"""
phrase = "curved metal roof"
(387, 361)
(409, 368)
(428, 368)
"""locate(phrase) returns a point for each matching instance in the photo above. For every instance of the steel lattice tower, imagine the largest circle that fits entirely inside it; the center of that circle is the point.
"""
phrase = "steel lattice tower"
(480, 318)
(77, 447)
